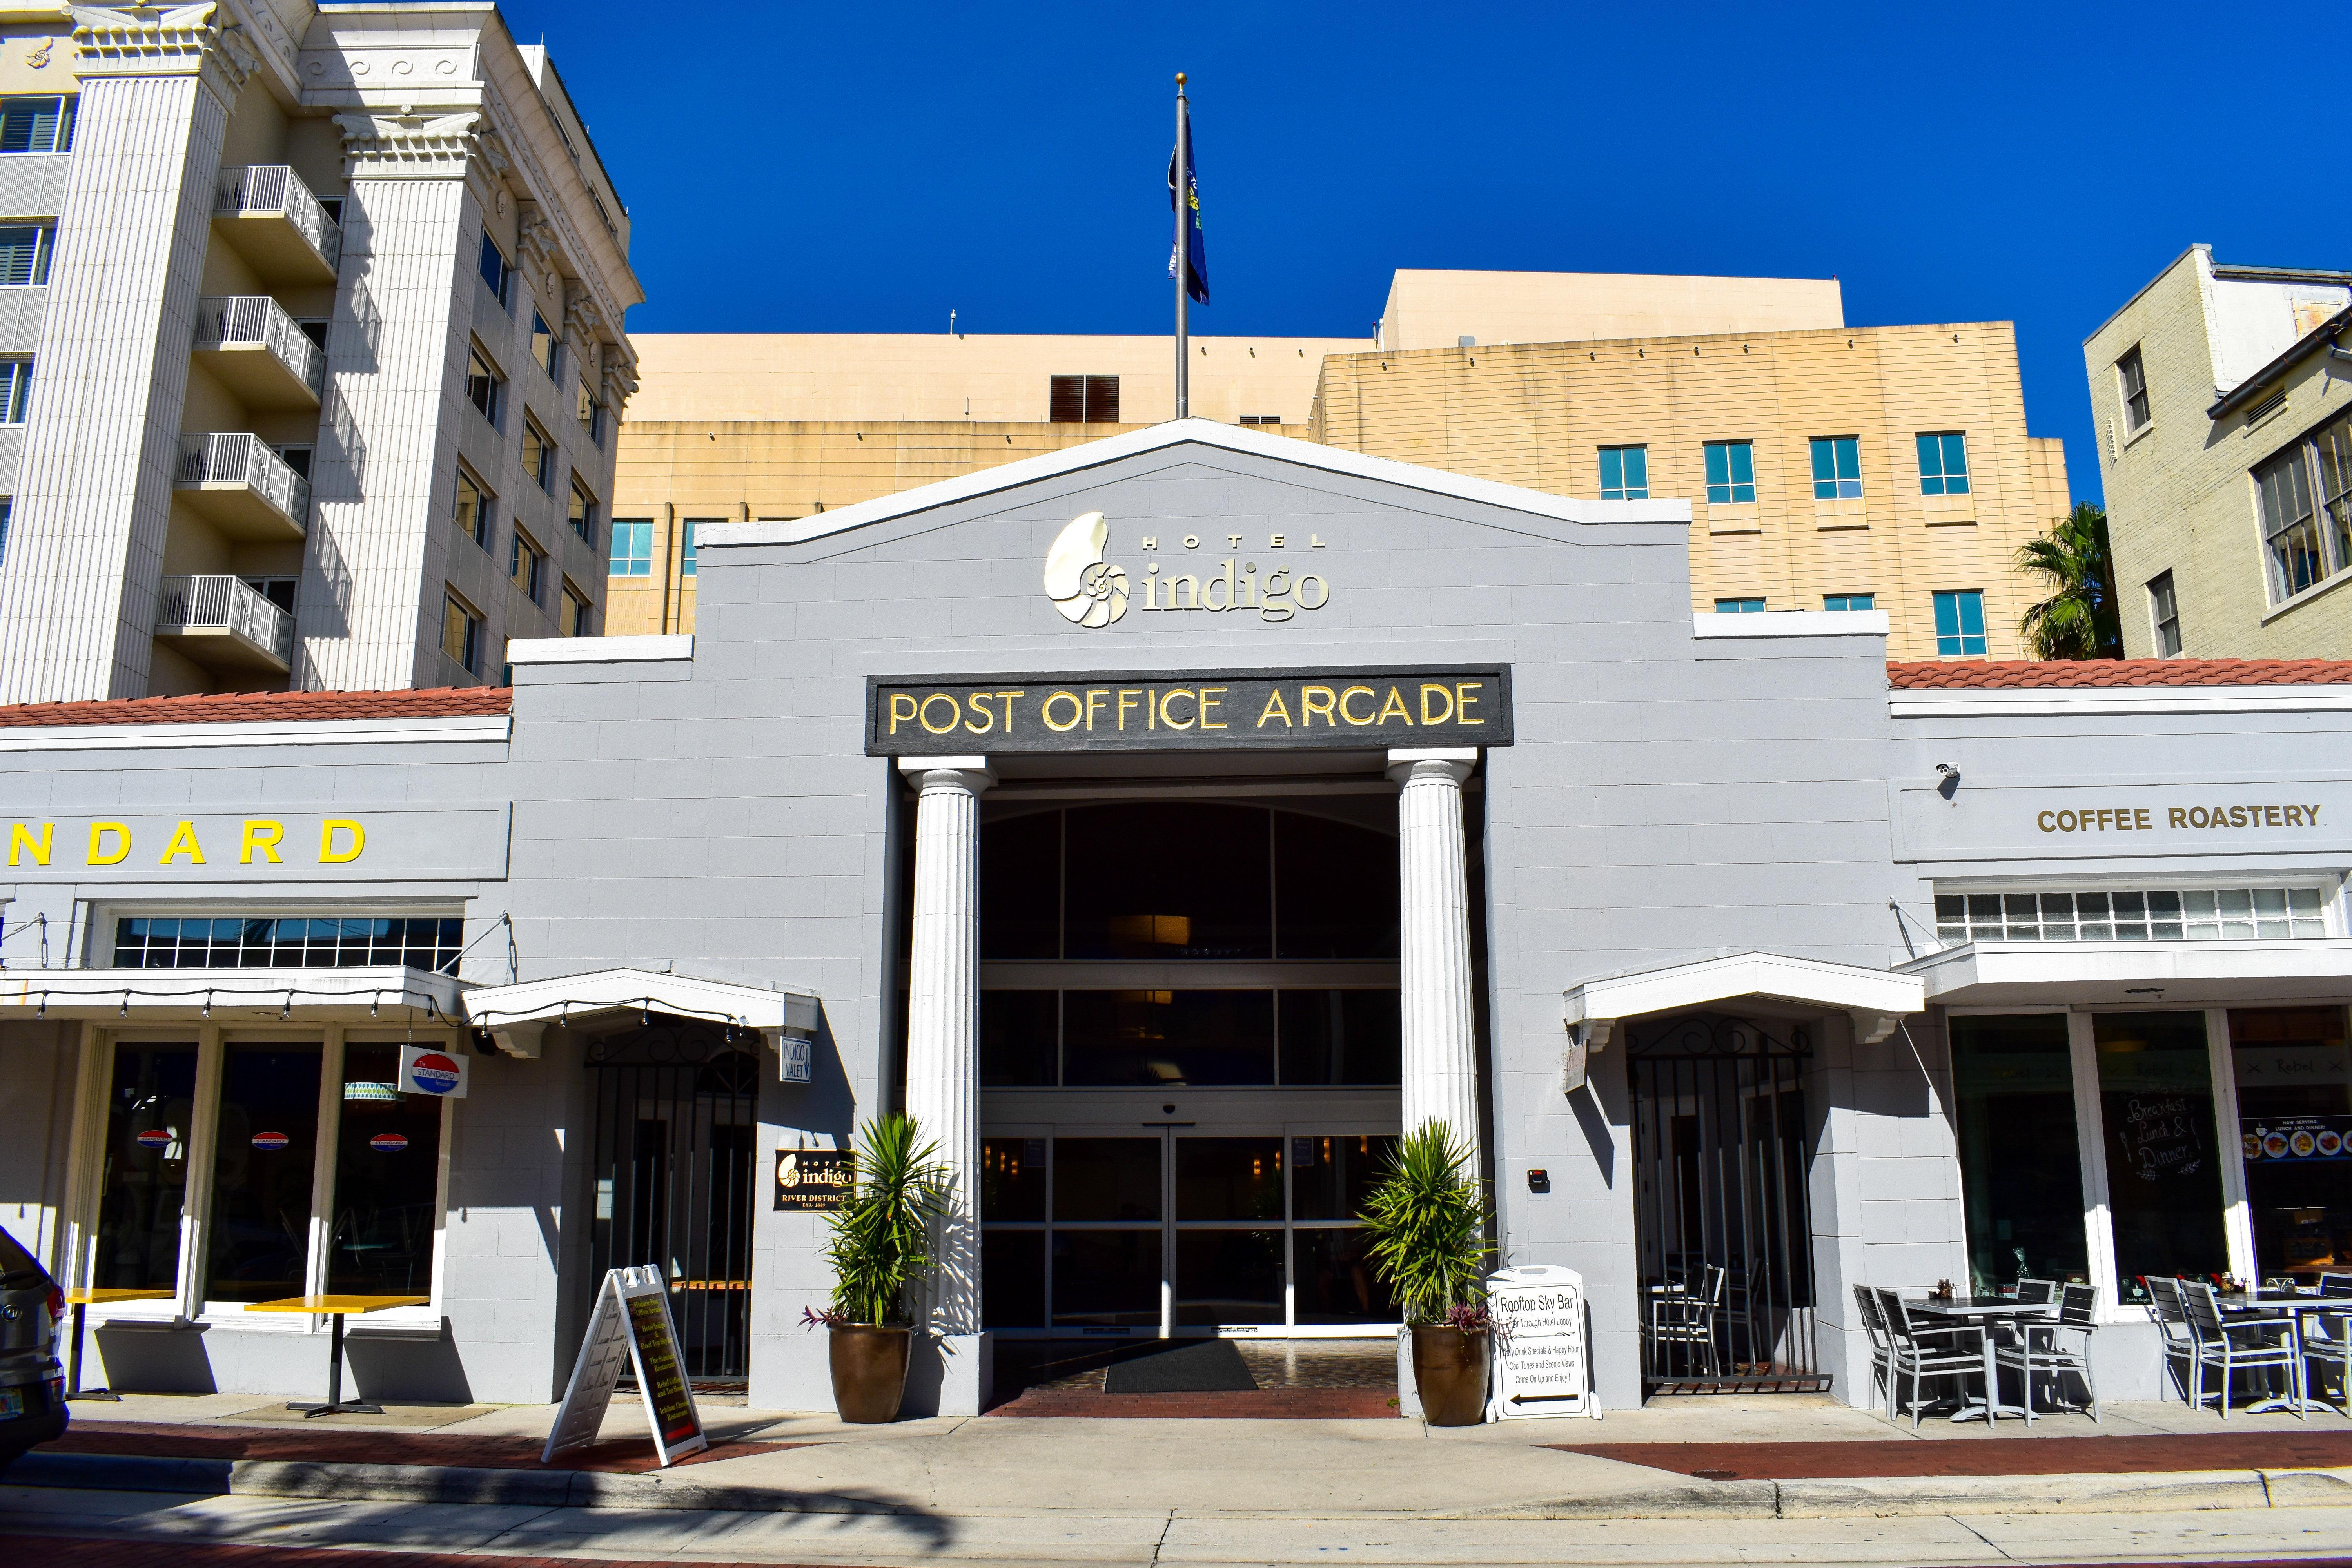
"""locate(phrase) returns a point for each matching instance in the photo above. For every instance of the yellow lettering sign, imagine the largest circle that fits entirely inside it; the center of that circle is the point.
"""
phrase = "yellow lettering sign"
(103, 854)
(1464, 702)
(1353, 691)
(332, 853)
(1394, 707)
(1276, 708)
(1077, 711)
(955, 712)
(1208, 704)
(1442, 695)
(21, 841)
(898, 714)
(183, 842)
(265, 837)
(1309, 706)
(1168, 711)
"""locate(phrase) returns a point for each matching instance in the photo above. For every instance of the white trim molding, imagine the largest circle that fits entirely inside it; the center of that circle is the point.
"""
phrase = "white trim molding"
(2135, 973)
(377, 992)
(2082, 702)
(497, 727)
(1202, 432)
(515, 1016)
(650, 649)
(1790, 623)
(1876, 999)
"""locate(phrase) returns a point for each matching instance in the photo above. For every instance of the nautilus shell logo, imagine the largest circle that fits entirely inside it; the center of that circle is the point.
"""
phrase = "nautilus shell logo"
(1087, 590)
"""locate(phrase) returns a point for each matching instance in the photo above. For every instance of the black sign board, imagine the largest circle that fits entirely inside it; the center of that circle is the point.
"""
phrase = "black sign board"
(813, 1181)
(1371, 708)
(677, 1424)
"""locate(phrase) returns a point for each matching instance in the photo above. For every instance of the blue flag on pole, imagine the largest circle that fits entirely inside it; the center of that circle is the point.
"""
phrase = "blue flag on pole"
(1192, 250)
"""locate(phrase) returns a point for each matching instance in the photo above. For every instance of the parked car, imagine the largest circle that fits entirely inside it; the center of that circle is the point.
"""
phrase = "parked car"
(32, 1384)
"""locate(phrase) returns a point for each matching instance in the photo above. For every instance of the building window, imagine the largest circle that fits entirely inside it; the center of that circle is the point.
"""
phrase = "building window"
(633, 547)
(2131, 377)
(25, 254)
(1959, 622)
(1944, 464)
(2163, 615)
(538, 454)
(686, 543)
(1739, 606)
(7, 505)
(1624, 473)
(1261, 418)
(526, 566)
(1837, 468)
(577, 613)
(474, 506)
(2021, 1174)
(591, 413)
(2164, 1159)
(2333, 448)
(1082, 399)
(498, 273)
(583, 513)
(461, 633)
(485, 388)
(286, 941)
(1848, 600)
(544, 344)
(15, 390)
(36, 124)
(2290, 530)
(2229, 914)
(2294, 1076)
(1730, 473)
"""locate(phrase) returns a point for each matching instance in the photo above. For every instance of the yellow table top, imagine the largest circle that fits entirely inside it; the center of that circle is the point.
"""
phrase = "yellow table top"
(333, 1304)
(98, 1295)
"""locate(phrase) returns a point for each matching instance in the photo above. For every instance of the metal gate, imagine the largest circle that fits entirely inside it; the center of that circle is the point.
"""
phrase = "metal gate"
(676, 1115)
(1720, 1158)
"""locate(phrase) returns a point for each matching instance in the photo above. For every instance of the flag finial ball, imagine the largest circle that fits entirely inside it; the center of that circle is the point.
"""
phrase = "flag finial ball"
(1180, 79)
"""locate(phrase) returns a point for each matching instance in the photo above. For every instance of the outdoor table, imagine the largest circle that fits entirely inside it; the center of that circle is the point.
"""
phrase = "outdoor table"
(336, 1307)
(81, 1300)
(1986, 1309)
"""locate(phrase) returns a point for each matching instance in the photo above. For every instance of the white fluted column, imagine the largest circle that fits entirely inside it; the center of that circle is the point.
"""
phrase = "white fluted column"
(1440, 1054)
(943, 1013)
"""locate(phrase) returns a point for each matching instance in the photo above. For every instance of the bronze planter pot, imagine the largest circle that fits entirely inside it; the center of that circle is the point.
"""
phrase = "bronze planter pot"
(1449, 1371)
(870, 1371)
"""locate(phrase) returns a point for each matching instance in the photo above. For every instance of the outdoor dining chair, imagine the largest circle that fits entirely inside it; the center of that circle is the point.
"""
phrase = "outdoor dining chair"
(1923, 1352)
(2328, 1342)
(1882, 1353)
(2039, 1348)
(2242, 1342)
(1687, 1319)
(2172, 1323)
(2037, 1292)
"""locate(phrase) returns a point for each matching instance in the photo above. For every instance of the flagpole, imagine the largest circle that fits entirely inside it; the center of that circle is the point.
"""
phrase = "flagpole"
(1183, 251)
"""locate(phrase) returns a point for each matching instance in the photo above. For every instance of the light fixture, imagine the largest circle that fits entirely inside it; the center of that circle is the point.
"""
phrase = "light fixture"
(208, 1006)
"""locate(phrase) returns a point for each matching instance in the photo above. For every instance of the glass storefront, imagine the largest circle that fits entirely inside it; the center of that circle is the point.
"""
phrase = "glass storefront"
(2292, 1068)
(2020, 1168)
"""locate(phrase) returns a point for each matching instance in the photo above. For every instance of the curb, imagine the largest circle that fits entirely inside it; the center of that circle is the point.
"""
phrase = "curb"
(1894, 1496)
(119, 1473)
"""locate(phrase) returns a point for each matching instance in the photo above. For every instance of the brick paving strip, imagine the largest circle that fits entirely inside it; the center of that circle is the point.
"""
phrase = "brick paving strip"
(1982, 1456)
(1235, 1405)
(373, 1445)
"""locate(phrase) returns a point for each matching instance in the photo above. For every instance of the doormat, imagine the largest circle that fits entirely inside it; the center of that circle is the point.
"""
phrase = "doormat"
(1204, 1366)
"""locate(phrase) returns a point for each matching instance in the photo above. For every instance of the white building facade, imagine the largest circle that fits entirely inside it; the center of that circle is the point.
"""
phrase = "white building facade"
(314, 351)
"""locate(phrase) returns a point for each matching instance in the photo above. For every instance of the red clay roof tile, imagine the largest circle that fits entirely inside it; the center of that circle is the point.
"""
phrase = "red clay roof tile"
(1971, 674)
(256, 707)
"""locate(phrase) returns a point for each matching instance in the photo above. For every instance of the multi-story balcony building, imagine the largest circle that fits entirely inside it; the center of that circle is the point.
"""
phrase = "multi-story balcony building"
(310, 349)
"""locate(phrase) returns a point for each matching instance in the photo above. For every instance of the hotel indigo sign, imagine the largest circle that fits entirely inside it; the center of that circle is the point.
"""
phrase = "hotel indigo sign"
(1197, 711)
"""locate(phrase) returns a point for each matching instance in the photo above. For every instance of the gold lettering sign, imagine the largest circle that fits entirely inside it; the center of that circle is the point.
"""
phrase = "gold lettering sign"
(1365, 709)
(262, 842)
(2102, 815)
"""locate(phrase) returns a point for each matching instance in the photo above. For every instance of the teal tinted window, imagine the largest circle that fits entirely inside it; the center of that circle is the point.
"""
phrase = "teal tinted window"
(1837, 468)
(1959, 622)
(1847, 601)
(686, 548)
(1624, 473)
(1739, 606)
(633, 547)
(1944, 464)
(1731, 472)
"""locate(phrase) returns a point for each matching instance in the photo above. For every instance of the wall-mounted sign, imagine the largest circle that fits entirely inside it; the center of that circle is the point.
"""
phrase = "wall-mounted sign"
(1197, 711)
(258, 846)
(435, 1070)
(2042, 820)
(1251, 575)
(794, 1059)
(813, 1181)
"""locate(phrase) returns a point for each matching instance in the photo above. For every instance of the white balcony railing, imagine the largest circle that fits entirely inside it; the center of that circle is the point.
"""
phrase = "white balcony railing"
(235, 458)
(234, 321)
(225, 604)
(261, 188)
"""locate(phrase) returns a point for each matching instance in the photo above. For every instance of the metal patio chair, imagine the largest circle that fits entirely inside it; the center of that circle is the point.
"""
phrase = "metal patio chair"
(2172, 1323)
(1882, 1348)
(2328, 1342)
(2037, 1292)
(2038, 1350)
(1687, 1320)
(1929, 1352)
(2245, 1342)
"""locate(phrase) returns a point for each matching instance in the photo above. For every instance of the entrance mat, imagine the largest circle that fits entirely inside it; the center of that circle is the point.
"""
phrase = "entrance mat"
(1203, 1366)
(1981, 1455)
(374, 1445)
(1261, 1404)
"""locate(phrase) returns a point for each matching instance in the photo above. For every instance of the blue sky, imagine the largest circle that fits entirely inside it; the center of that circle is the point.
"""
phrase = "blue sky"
(825, 168)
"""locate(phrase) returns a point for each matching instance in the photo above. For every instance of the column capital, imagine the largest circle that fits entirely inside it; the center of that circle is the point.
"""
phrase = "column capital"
(163, 40)
(971, 774)
(1450, 763)
(438, 144)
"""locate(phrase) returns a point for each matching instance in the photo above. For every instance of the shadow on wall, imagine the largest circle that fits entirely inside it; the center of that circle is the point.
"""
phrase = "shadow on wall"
(406, 1367)
(152, 1359)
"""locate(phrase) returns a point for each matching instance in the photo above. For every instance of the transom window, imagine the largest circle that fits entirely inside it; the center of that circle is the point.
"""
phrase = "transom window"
(1837, 468)
(2232, 914)
(1624, 473)
(1731, 472)
(1944, 464)
(286, 941)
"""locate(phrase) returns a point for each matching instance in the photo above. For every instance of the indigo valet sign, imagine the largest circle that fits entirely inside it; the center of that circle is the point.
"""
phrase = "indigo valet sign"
(1193, 711)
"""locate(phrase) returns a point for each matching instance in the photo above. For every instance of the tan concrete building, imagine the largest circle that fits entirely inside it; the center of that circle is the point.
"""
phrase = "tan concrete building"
(1732, 391)
(2225, 440)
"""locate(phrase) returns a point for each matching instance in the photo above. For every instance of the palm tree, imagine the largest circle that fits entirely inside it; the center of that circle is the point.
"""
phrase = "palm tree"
(2079, 619)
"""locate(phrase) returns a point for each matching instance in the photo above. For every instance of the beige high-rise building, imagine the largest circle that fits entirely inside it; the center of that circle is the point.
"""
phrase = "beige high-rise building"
(1830, 467)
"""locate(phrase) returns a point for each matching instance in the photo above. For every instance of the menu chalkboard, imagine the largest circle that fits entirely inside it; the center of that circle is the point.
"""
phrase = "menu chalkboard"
(2158, 1136)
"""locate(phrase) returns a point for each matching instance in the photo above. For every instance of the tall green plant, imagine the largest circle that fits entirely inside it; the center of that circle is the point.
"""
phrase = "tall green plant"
(2080, 619)
(1427, 1218)
(881, 1238)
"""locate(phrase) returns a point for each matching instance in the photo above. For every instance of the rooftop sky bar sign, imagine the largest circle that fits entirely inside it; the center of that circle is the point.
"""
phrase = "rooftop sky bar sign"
(1198, 711)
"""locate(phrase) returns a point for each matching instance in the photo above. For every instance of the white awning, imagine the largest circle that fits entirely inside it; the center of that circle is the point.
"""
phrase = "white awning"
(388, 992)
(1876, 998)
(515, 1015)
(2132, 974)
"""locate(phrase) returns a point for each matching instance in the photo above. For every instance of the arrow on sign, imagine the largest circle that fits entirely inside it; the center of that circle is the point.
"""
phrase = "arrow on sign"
(1542, 1398)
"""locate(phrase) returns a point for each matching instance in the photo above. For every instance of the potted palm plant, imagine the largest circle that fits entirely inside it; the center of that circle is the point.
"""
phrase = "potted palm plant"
(879, 1247)
(1427, 1218)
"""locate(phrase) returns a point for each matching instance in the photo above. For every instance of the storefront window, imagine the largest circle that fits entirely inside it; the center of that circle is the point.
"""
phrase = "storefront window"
(150, 1114)
(2293, 1069)
(1168, 1037)
(264, 1153)
(387, 1165)
(2164, 1171)
(2020, 1168)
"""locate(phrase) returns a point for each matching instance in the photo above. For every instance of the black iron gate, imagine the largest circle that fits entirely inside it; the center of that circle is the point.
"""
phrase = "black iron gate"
(676, 1116)
(1721, 1157)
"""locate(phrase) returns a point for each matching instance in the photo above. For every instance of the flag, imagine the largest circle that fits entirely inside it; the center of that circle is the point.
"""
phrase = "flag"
(1191, 248)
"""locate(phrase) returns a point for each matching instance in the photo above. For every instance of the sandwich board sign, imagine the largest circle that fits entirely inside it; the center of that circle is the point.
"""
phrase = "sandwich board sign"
(1539, 1365)
(630, 1328)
